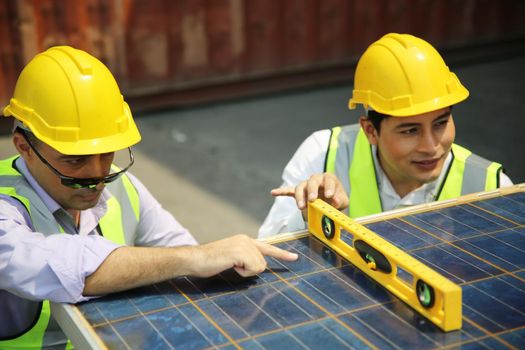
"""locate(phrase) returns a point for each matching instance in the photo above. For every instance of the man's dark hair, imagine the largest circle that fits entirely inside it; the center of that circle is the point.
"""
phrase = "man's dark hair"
(29, 135)
(376, 118)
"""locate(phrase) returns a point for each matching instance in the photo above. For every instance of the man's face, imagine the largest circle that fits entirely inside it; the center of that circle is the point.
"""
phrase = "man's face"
(412, 150)
(84, 166)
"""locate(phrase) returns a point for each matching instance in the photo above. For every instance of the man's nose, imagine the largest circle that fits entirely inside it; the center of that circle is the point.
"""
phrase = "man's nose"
(428, 142)
(97, 167)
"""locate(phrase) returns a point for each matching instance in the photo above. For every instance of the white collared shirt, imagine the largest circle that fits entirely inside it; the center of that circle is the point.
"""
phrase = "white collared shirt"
(309, 159)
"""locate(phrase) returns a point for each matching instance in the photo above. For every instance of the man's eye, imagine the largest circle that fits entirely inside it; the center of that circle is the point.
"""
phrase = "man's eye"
(75, 161)
(409, 131)
(441, 123)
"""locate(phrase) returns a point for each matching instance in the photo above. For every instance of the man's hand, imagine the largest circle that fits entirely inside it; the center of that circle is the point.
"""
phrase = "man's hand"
(131, 267)
(324, 186)
(244, 254)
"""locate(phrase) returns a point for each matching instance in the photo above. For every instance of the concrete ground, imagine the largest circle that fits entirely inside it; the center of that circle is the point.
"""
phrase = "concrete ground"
(213, 166)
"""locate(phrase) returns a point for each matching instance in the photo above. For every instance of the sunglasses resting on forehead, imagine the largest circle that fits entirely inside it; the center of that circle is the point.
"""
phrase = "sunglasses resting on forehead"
(74, 182)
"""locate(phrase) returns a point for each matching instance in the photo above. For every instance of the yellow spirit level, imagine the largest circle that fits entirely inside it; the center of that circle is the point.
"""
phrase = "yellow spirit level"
(429, 293)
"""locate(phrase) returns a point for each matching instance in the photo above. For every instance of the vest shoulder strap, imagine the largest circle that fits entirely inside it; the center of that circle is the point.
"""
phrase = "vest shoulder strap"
(469, 173)
(349, 157)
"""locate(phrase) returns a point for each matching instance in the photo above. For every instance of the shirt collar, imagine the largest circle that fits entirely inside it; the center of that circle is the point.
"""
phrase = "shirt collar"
(426, 193)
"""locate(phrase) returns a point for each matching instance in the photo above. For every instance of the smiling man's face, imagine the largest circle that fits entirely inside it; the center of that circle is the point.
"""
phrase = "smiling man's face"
(412, 150)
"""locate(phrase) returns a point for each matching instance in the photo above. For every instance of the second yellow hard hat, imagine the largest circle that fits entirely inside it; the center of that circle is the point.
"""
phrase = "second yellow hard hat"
(402, 75)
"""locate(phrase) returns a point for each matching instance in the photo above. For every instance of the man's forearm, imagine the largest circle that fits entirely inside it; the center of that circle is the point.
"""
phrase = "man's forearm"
(131, 267)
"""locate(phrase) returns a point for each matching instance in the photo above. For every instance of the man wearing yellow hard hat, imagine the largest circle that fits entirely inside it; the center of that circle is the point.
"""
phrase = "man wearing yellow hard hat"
(400, 154)
(69, 219)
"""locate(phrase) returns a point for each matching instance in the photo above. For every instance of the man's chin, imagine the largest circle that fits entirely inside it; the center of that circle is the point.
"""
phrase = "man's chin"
(428, 179)
(85, 202)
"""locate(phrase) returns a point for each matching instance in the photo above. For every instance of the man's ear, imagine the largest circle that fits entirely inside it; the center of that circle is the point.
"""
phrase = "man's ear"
(22, 146)
(369, 129)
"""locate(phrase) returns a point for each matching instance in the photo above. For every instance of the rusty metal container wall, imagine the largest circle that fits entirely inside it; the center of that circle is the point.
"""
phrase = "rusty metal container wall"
(155, 46)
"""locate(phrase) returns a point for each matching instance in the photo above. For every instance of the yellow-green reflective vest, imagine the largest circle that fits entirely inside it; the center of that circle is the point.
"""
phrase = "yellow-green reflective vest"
(119, 224)
(350, 158)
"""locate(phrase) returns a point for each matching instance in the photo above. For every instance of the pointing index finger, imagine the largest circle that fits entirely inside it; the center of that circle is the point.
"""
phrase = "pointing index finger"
(278, 253)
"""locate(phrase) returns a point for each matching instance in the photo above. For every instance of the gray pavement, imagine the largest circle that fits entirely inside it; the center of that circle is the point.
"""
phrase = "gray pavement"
(213, 166)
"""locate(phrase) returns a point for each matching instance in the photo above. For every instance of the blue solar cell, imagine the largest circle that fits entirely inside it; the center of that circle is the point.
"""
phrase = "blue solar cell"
(495, 252)
(401, 234)
(507, 207)
(488, 310)
(456, 264)
(328, 334)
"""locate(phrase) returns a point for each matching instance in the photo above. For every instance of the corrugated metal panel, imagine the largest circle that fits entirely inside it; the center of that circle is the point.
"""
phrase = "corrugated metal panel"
(157, 46)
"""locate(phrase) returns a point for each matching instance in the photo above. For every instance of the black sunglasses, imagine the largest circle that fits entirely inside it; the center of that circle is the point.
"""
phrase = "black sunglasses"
(74, 182)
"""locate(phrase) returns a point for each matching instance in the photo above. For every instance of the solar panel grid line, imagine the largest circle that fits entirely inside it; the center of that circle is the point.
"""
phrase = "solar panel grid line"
(143, 314)
(337, 337)
(466, 251)
(245, 333)
(322, 293)
(279, 330)
(123, 341)
(345, 311)
(447, 272)
(495, 256)
(226, 335)
(263, 311)
(357, 309)
(125, 318)
(432, 206)
(379, 335)
(330, 315)
(471, 206)
(294, 303)
(287, 330)
(180, 309)
(276, 261)
(489, 335)
(111, 325)
(401, 320)
(166, 341)
(198, 329)
(506, 243)
(461, 248)
(502, 302)
(489, 332)
(78, 326)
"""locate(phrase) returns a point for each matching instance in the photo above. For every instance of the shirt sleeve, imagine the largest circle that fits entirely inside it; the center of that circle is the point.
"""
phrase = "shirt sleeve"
(504, 180)
(309, 159)
(39, 267)
(158, 227)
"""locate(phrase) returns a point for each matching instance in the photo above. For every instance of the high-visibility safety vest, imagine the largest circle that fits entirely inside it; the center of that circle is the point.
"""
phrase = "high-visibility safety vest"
(119, 224)
(350, 158)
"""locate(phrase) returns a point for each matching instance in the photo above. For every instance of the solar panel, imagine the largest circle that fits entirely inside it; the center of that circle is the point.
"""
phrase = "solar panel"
(322, 301)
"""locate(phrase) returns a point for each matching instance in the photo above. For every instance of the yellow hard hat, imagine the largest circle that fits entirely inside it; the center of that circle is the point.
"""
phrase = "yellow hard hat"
(401, 75)
(70, 101)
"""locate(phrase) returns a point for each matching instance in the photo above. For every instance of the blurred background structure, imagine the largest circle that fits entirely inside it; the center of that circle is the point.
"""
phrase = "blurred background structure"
(225, 90)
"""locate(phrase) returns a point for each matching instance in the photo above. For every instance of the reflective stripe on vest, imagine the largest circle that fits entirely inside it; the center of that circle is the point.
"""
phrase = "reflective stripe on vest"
(466, 165)
(118, 224)
(349, 157)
